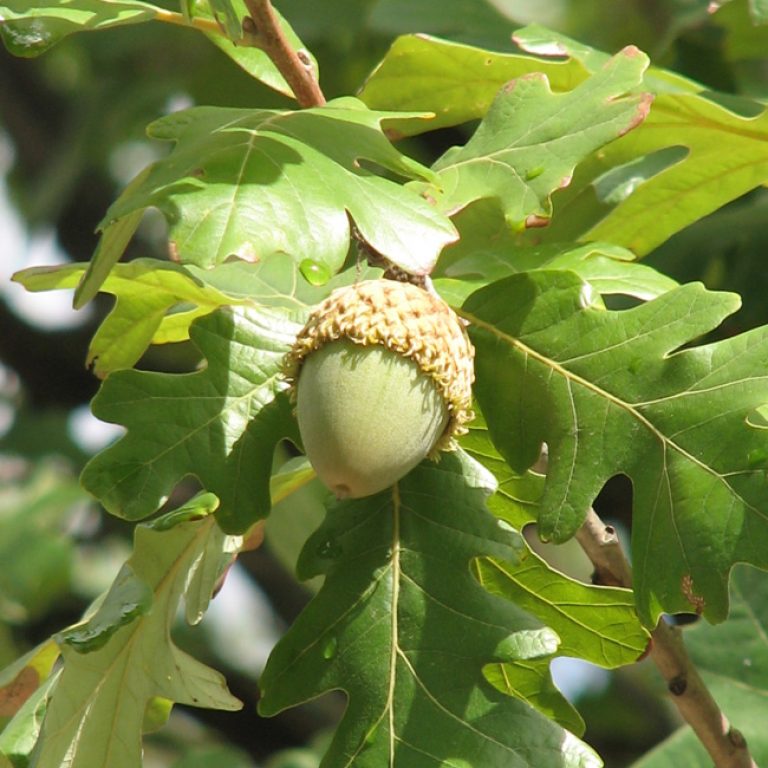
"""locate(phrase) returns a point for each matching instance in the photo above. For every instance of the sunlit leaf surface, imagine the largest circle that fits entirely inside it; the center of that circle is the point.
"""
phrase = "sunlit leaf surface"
(250, 183)
(531, 139)
(613, 392)
(123, 657)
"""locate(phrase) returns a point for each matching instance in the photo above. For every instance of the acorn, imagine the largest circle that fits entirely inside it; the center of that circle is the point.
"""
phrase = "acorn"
(382, 377)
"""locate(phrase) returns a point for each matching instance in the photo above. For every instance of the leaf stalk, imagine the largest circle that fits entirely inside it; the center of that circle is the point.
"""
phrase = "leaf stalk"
(196, 22)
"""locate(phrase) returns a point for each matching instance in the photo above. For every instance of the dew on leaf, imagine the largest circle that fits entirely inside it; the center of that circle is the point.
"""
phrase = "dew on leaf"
(28, 38)
(330, 648)
(534, 172)
(315, 272)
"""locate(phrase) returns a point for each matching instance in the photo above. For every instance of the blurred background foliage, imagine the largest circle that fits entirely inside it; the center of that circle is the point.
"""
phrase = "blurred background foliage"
(72, 133)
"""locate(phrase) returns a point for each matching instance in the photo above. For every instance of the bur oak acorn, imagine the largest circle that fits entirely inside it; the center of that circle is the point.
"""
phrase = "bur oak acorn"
(382, 378)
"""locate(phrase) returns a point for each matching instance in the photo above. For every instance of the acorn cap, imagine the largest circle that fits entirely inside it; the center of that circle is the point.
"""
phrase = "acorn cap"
(407, 320)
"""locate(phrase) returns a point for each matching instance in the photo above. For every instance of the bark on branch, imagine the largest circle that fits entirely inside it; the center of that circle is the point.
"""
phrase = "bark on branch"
(263, 27)
(725, 745)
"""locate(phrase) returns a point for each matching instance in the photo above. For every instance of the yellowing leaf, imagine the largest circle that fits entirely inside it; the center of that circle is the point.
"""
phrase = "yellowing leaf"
(122, 657)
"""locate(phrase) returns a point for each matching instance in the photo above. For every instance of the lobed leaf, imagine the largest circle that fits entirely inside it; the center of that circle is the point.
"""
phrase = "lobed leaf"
(597, 624)
(251, 183)
(398, 607)
(531, 139)
(723, 157)
(488, 251)
(157, 301)
(146, 290)
(220, 424)
(123, 657)
(594, 623)
(456, 82)
(613, 392)
(689, 158)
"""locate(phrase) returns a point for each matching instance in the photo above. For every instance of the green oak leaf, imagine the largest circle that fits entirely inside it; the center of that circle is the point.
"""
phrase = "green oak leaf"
(253, 182)
(688, 158)
(157, 301)
(488, 251)
(453, 79)
(723, 157)
(122, 657)
(531, 140)
(458, 82)
(29, 29)
(612, 393)
(594, 623)
(517, 495)
(733, 660)
(146, 289)
(399, 606)
(220, 424)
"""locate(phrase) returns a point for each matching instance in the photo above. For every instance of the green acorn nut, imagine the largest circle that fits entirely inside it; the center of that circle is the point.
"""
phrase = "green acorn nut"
(382, 377)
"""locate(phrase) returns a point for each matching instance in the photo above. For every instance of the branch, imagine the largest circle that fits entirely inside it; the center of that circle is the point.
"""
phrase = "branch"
(725, 745)
(262, 27)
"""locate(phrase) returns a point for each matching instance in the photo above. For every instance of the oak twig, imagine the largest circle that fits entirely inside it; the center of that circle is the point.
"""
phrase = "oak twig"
(263, 27)
(725, 745)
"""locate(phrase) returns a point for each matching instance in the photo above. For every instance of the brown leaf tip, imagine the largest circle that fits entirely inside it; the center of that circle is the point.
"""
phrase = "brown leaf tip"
(643, 108)
(698, 602)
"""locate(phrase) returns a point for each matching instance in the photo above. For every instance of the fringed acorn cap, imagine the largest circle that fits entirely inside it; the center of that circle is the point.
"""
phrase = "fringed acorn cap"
(407, 320)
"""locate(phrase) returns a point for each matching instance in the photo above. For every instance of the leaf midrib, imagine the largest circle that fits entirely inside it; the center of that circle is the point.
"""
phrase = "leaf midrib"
(629, 408)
